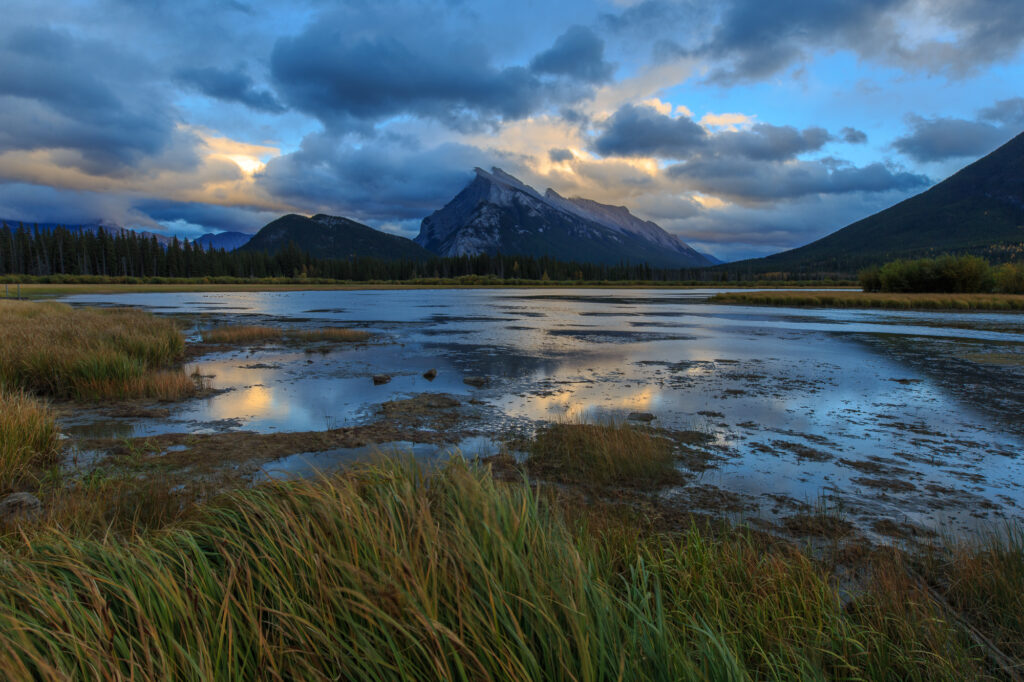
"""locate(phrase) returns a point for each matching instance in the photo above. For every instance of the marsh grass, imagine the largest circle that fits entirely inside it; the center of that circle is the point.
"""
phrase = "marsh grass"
(601, 453)
(984, 581)
(51, 349)
(28, 436)
(242, 334)
(857, 299)
(337, 334)
(389, 573)
(251, 334)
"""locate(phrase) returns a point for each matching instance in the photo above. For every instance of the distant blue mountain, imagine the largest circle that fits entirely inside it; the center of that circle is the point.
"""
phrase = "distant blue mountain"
(93, 226)
(229, 241)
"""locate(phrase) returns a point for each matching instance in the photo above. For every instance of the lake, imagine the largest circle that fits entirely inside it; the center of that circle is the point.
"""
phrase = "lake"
(908, 416)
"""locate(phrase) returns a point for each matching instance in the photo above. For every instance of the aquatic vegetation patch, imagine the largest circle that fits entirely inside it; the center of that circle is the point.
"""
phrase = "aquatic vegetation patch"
(603, 454)
(859, 299)
(52, 349)
(252, 334)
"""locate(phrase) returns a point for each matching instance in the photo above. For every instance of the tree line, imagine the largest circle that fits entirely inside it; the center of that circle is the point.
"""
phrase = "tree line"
(945, 274)
(128, 254)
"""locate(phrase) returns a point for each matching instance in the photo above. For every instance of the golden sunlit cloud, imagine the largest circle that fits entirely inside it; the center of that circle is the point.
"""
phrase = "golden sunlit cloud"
(708, 201)
(731, 121)
(250, 158)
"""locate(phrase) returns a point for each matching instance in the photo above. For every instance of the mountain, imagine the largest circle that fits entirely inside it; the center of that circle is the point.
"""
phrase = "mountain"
(498, 213)
(327, 236)
(229, 241)
(92, 226)
(978, 210)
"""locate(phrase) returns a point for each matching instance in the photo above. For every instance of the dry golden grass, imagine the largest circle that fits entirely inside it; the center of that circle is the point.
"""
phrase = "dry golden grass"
(860, 299)
(84, 353)
(28, 436)
(337, 334)
(240, 334)
(244, 334)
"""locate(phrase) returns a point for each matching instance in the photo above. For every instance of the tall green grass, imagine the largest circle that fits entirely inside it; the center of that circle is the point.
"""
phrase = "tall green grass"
(28, 435)
(54, 350)
(386, 573)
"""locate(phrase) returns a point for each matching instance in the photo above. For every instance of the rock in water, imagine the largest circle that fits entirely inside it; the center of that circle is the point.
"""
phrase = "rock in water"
(641, 417)
(430, 374)
(379, 379)
(476, 382)
(20, 506)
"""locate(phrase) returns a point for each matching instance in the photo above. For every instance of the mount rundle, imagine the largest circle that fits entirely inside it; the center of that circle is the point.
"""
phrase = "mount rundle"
(498, 213)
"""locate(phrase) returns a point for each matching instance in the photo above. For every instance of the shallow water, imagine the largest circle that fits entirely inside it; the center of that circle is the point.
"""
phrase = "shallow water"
(903, 415)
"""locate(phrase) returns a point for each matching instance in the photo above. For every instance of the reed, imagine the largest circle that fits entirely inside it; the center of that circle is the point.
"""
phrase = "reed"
(28, 436)
(334, 334)
(857, 299)
(54, 350)
(246, 334)
(388, 573)
(241, 334)
(600, 453)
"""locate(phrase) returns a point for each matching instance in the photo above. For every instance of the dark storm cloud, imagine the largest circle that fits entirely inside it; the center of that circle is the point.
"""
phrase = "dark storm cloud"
(748, 181)
(765, 142)
(751, 40)
(578, 53)
(938, 139)
(558, 155)
(1009, 112)
(209, 216)
(229, 86)
(760, 38)
(853, 136)
(642, 131)
(57, 92)
(382, 181)
(343, 79)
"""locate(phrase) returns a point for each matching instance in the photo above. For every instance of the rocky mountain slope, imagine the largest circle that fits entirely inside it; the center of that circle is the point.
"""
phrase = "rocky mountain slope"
(498, 213)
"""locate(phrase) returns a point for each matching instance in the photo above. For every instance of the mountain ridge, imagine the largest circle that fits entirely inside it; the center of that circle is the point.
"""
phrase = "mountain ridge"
(979, 210)
(326, 236)
(497, 212)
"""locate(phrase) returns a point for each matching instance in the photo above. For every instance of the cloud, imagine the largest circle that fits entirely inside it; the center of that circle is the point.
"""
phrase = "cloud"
(229, 86)
(647, 131)
(750, 40)
(96, 104)
(765, 142)
(642, 131)
(853, 136)
(578, 53)
(938, 139)
(1009, 112)
(560, 155)
(748, 181)
(384, 181)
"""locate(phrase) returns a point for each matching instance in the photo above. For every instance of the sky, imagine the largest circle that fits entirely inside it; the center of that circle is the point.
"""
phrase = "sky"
(745, 127)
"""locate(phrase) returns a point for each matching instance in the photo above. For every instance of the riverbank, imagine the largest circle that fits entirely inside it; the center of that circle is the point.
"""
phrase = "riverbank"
(860, 299)
(36, 289)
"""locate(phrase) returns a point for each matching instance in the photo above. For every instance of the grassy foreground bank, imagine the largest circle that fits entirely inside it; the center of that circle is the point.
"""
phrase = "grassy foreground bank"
(389, 573)
(860, 299)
